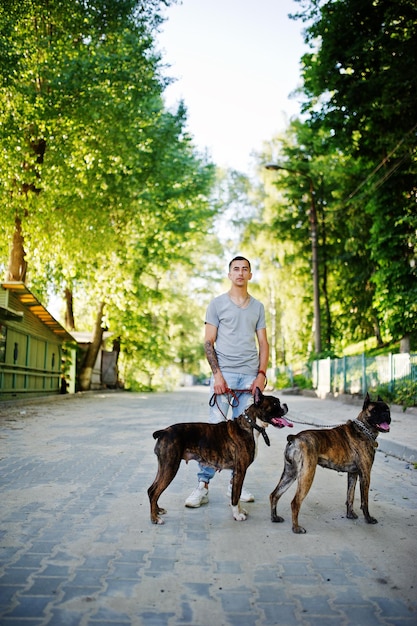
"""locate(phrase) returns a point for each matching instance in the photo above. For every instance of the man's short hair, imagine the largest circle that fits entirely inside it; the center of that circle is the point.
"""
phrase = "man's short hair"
(239, 258)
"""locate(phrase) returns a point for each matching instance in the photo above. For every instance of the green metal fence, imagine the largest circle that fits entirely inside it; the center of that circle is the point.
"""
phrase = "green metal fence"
(358, 374)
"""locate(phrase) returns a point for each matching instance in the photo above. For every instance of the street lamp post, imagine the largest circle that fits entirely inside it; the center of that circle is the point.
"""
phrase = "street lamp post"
(314, 251)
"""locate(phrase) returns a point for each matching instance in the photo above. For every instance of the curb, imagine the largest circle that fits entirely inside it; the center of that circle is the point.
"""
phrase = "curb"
(397, 450)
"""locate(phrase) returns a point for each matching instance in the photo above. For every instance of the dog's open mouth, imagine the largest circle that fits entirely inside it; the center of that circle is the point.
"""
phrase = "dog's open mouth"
(280, 422)
(384, 427)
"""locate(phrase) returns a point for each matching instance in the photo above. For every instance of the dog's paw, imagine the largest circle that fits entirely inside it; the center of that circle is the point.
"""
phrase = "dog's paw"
(276, 518)
(239, 514)
(371, 520)
(299, 530)
(155, 519)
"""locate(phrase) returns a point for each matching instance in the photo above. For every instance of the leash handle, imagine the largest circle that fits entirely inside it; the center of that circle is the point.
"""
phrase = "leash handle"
(233, 393)
(233, 402)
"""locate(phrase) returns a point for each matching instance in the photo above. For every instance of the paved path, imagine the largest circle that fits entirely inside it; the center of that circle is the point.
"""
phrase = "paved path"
(78, 548)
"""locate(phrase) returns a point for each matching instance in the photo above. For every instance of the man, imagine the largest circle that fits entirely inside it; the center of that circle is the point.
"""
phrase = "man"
(237, 350)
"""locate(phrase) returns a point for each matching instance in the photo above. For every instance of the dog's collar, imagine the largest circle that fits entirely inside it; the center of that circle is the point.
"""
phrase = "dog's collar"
(260, 429)
(366, 431)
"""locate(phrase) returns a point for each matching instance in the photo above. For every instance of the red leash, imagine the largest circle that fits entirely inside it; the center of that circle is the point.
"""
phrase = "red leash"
(232, 398)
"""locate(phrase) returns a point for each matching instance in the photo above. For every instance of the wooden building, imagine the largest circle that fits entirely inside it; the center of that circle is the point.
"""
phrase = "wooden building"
(37, 355)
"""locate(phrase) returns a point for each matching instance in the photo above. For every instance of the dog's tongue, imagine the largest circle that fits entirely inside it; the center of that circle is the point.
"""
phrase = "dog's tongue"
(384, 427)
(280, 422)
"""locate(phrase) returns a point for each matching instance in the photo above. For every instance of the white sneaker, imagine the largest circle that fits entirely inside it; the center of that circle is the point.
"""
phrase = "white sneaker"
(245, 496)
(198, 497)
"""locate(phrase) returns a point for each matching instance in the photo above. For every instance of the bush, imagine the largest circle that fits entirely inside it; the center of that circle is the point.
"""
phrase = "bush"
(403, 393)
(302, 382)
(283, 381)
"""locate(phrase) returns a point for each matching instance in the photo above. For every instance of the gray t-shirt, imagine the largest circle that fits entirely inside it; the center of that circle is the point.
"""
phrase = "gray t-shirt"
(236, 345)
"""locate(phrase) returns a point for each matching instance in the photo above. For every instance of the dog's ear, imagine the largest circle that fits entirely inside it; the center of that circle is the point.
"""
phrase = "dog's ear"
(366, 402)
(258, 397)
(380, 399)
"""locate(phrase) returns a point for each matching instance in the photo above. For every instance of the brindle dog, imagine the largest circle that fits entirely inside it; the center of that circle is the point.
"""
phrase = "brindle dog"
(228, 445)
(347, 448)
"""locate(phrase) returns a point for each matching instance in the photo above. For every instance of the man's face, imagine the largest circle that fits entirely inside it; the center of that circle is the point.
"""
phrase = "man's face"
(240, 273)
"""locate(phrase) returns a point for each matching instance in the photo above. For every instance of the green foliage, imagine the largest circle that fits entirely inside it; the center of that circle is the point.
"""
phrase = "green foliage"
(354, 155)
(302, 382)
(283, 380)
(403, 393)
(362, 74)
(113, 197)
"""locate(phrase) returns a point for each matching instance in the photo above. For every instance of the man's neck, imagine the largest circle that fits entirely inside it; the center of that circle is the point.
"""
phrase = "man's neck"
(237, 291)
(239, 297)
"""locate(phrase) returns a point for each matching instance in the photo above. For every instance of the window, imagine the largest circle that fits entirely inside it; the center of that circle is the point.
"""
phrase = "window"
(3, 334)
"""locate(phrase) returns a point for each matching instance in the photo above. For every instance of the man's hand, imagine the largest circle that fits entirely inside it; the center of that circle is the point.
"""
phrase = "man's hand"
(220, 385)
(260, 381)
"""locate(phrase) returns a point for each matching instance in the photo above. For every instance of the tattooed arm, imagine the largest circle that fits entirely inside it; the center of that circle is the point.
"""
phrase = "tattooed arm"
(209, 340)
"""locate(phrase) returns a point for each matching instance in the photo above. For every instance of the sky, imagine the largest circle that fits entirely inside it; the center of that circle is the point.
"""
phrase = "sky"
(236, 63)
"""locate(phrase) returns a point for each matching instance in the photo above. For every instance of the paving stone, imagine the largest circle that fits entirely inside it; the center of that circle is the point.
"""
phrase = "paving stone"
(363, 615)
(156, 618)
(159, 565)
(109, 617)
(279, 613)
(29, 606)
(7, 593)
(125, 571)
(43, 586)
(85, 594)
(236, 601)
(78, 548)
(229, 567)
(316, 605)
(393, 608)
(64, 618)
(97, 562)
(43, 547)
(125, 588)
(15, 576)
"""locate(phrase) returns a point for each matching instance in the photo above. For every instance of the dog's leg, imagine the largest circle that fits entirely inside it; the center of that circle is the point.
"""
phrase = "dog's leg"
(238, 512)
(288, 476)
(165, 475)
(364, 486)
(305, 480)
(351, 485)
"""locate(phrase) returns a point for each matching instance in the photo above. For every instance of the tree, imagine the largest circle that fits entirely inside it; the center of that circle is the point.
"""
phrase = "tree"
(101, 182)
(361, 88)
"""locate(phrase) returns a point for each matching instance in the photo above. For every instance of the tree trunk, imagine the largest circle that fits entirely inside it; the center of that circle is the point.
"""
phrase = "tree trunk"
(377, 331)
(92, 352)
(17, 264)
(69, 310)
(405, 344)
(17, 267)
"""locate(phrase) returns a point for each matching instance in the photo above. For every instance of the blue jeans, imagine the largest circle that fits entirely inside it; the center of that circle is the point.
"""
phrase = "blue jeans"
(218, 412)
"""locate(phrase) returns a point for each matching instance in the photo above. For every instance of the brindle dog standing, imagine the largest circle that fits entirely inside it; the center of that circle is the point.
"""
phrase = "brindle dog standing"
(347, 448)
(228, 445)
